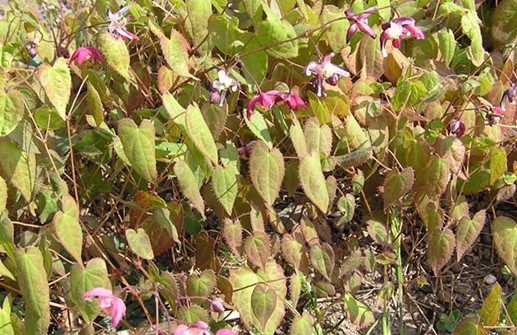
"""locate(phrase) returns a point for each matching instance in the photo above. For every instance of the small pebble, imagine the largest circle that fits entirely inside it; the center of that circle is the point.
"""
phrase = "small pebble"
(490, 279)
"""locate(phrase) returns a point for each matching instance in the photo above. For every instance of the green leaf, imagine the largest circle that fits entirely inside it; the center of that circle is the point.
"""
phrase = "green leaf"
(334, 31)
(174, 109)
(68, 229)
(293, 249)
(468, 231)
(302, 325)
(189, 185)
(298, 138)
(199, 133)
(94, 103)
(115, 53)
(5, 318)
(355, 158)
(370, 58)
(244, 280)
(201, 285)
(469, 326)
(408, 94)
(273, 31)
(266, 171)
(256, 61)
(504, 23)
(3, 194)
(175, 51)
(257, 248)
(504, 232)
(11, 111)
(489, 312)
(258, 126)
(32, 280)
(226, 35)
(318, 138)
(57, 82)
(357, 312)
(139, 147)
(357, 137)
(447, 45)
(140, 243)
(224, 183)
(441, 247)
(313, 181)
(215, 117)
(512, 309)
(263, 302)
(18, 168)
(82, 279)
(199, 11)
(497, 163)
(396, 185)
(322, 258)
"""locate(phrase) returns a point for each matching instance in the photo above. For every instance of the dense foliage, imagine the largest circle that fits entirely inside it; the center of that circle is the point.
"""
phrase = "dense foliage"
(199, 165)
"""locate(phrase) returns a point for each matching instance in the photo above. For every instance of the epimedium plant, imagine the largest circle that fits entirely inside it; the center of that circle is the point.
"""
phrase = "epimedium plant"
(192, 158)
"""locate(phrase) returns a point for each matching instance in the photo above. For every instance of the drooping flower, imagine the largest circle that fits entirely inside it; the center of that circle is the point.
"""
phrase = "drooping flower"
(220, 86)
(117, 26)
(217, 304)
(398, 29)
(325, 71)
(109, 303)
(456, 127)
(511, 95)
(245, 149)
(269, 98)
(494, 116)
(359, 22)
(84, 54)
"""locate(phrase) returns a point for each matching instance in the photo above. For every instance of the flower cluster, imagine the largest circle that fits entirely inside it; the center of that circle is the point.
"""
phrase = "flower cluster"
(269, 98)
(109, 303)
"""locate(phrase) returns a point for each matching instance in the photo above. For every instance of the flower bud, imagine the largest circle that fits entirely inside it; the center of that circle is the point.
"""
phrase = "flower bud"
(217, 305)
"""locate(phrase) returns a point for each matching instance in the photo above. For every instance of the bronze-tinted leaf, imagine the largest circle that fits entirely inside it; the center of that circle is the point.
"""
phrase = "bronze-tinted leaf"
(441, 247)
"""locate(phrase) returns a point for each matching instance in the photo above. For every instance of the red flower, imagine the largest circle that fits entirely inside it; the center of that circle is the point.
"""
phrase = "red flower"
(83, 54)
(269, 98)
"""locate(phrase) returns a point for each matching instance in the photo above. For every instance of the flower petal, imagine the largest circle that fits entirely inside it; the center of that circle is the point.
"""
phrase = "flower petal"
(97, 292)
(117, 311)
(415, 32)
(180, 330)
(351, 31)
(225, 331)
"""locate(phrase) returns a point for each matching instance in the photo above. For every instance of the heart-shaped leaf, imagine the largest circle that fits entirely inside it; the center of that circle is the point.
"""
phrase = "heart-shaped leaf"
(11, 111)
(396, 185)
(263, 302)
(294, 251)
(244, 280)
(139, 147)
(199, 133)
(140, 243)
(441, 247)
(504, 232)
(469, 326)
(175, 51)
(313, 181)
(452, 150)
(82, 279)
(467, 232)
(232, 234)
(68, 229)
(57, 82)
(318, 138)
(201, 285)
(436, 177)
(115, 53)
(272, 31)
(32, 281)
(224, 183)
(322, 258)
(199, 12)
(298, 137)
(357, 312)
(257, 248)
(266, 171)
(258, 126)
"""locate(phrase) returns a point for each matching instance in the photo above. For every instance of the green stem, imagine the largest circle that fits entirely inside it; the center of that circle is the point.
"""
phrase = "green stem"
(396, 231)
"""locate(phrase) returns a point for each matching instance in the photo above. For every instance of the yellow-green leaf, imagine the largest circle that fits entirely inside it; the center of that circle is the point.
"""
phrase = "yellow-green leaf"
(68, 229)
(199, 133)
(57, 82)
(313, 181)
(115, 53)
(266, 171)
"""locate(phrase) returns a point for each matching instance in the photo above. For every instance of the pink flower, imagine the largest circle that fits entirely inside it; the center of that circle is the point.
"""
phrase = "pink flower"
(269, 98)
(225, 331)
(396, 30)
(294, 101)
(359, 21)
(200, 328)
(117, 26)
(217, 304)
(83, 54)
(509, 94)
(325, 71)
(110, 304)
